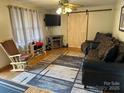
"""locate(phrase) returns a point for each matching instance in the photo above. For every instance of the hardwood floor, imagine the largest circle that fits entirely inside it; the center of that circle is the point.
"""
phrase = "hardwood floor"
(50, 56)
(37, 90)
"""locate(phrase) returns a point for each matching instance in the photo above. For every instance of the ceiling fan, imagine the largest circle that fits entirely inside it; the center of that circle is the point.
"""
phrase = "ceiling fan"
(65, 7)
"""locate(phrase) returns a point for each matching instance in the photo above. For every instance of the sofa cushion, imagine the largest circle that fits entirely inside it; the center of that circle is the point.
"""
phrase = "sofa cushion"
(93, 55)
(111, 54)
(100, 37)
(115, 41)
(121, 47)
(86, 46)
(119, 58)
(103, 48)
(120, 54)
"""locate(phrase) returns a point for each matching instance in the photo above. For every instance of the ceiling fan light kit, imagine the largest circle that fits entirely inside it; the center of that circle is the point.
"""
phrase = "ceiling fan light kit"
(63, 10)
(66, 7)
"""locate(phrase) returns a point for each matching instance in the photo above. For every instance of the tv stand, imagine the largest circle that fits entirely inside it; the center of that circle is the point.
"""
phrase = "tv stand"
(55, 41)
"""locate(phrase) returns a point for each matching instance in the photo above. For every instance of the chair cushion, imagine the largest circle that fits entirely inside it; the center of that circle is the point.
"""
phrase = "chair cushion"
(10, 47)
(25, 57)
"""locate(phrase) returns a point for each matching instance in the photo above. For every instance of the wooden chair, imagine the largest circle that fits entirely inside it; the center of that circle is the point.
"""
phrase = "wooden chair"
(18, 61)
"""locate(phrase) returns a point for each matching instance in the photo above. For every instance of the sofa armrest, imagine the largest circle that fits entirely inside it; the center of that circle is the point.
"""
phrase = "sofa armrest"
(87, 45)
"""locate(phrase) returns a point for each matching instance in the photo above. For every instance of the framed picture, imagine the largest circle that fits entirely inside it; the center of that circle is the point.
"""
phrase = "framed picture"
(121, 25)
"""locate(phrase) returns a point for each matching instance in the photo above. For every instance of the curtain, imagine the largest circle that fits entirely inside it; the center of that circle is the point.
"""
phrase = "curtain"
(77, 23)
(25, 26)
(43, 27)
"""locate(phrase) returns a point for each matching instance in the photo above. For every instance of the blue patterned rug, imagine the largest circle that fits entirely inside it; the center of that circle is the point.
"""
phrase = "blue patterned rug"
(11, 87)
(50, 83)
(64, 75)
(55, 84)
(69, 61)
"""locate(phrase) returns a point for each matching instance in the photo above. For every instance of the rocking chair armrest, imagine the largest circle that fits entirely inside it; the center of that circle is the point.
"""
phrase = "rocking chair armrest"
(18, 62)
(17, 55)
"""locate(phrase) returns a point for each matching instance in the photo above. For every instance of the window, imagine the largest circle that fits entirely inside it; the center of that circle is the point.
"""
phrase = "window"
(25, 26)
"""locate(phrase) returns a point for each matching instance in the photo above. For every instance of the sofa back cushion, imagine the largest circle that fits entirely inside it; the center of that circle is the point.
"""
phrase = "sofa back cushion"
(100, 37)
(104, 48)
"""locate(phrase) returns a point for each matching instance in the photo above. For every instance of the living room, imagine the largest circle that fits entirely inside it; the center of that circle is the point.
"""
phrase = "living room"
(96, 16)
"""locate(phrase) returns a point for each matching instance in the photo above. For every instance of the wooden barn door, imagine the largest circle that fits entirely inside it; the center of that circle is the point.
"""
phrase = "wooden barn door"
(77, 23)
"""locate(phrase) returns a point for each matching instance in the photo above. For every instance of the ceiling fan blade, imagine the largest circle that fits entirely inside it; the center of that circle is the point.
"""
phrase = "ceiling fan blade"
(72, 5)
(65, 3)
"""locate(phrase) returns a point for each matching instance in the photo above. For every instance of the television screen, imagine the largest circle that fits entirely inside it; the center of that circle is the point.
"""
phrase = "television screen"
(52, 20)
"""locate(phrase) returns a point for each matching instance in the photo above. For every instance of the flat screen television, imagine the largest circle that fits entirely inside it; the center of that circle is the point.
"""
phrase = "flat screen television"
(52, 20)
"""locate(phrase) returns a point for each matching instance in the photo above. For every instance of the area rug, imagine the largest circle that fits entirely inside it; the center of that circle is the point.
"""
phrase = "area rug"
(36, 69)
(24, 77)
(60, 75)
(64, 75)
(60, 72)
(69, 61)
(11, 87)
(53, 84)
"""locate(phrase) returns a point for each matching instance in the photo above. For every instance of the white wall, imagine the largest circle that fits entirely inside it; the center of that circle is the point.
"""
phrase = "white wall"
(101, 21)
(4, 60)
(116, 33)
(5, 32)
(5, 25)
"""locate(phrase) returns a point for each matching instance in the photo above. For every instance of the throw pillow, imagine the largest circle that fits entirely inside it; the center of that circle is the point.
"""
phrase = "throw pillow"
(111, 54)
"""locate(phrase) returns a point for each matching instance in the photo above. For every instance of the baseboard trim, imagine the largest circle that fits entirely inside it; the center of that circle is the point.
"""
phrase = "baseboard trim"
(8, 67)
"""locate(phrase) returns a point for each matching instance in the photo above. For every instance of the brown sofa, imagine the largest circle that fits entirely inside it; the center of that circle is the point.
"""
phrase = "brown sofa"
(103, 63)
(104, 48)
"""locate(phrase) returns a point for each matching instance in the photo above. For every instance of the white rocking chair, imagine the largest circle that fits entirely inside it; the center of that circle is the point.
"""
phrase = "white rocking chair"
(18, 61)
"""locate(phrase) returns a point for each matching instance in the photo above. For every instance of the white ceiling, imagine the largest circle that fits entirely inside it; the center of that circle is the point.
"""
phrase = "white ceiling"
(52, 4)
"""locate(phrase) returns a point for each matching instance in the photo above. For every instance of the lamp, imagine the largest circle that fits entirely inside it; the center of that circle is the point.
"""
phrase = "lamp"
(63, 10)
